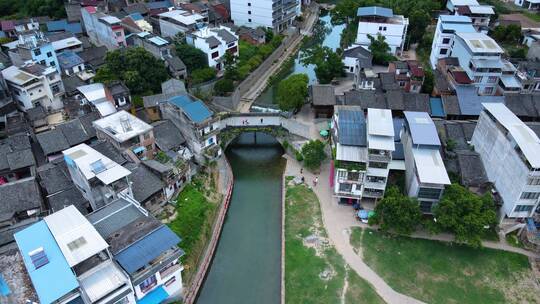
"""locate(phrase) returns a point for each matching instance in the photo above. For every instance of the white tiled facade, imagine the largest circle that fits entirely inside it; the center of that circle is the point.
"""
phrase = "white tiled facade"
(274, 14)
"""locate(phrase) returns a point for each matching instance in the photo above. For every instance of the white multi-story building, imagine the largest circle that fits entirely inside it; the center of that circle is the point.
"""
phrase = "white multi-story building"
(480, 14)
(376, 21)
(215, 43)
(447, 27)
(275, 14)
(35, 85)
(425, 173)
(528, 4)
(363, 155)
(99, 179)
(480, 57)
(180, 21)
(103, 29)
(509, 150)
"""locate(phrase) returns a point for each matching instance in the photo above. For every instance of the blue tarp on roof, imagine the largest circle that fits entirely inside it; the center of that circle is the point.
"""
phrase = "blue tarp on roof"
(470, 103)
(147, 249)
(375, 11)
(63, 25)
(57, 268)
(422, 128)
(69, 59)
(436, 106)
(4, 288)
(352, 127)
(136, 16)
(156, 296)
(181, 100)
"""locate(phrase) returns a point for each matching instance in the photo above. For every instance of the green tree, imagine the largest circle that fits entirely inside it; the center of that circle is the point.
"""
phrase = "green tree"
(396, 213)
(328, 64)
(136, 67)
(510, 34)
(418, 22)
(313, 154)
(223, 86)
(192, 57)
(203, 75)
(380, 50)
(429, 81)
(292, 92)
(465, 214)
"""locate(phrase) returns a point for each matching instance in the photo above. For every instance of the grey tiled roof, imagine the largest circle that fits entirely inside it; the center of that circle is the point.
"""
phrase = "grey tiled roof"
(451, 105)
(74, 132)
(53, 179)
(87, 120)
(212, 41)
(226, 36)
(52, 141)
(471, 169)
(323, 94)
(16, 152)
(20, 196)
(106, 148)
(70, 196)
(145, 183)
(168, 136)
(416, 102)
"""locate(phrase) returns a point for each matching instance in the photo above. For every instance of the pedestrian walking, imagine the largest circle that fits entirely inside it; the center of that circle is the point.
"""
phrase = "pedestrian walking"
(261, 121)
(301, 170)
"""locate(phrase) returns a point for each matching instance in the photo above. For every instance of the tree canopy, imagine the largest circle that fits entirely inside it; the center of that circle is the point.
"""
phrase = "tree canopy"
(380, 50)
(192, 57)
(328, 64)
(31, 8)
(136, 67)
(465, 214)
(510, 34)
(396, 213)
(313, 154)
(203, 75)
(292, 92)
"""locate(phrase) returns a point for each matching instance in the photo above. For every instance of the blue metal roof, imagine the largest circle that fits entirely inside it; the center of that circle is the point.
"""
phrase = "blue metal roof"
(56, 270)
(158, 4)
(181, 100)
(352, 127)
(436, 106)
(422, 128)
(197, 111)
(69, 59)
(454, 18)
(375, 11)
(63, 25)
(470, 103)
(147, 249)
(155, 296)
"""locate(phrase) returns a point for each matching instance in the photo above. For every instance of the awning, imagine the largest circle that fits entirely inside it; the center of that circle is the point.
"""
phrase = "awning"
(156, 296)
(138, 150)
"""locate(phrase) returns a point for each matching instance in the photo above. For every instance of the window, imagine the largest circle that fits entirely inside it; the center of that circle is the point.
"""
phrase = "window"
(345, 188)
(51, 77)
(146, 136)
(446, 41)
(492, 79)
(147, 284)
(53, 63)
(49, 54)
(426, 206)
(37, 52)
(118, 34)
(530, 195)
(55, 89)
(249, 4)
(443, 51)
(249, 20)
(342, 174)
(523, 208)
(380, 28)
(429, 193)
(42, 62)
(478, 79)
(488, 90)
(149, 148)
(249, 12)
(215, 55)
(533, 181)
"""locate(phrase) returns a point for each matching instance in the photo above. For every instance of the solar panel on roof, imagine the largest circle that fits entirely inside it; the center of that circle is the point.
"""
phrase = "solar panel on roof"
(38, 257)
(97, 166)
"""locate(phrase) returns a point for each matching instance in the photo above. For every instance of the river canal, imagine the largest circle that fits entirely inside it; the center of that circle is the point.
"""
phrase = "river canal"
(325, 34)
(247, 264)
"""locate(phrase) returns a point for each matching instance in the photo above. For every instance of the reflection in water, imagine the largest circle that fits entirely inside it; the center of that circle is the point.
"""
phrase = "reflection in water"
(324, 33)
(247, 264)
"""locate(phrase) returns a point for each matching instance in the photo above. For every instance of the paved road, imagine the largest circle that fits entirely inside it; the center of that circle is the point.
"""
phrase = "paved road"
(337, 221)
(249, 97)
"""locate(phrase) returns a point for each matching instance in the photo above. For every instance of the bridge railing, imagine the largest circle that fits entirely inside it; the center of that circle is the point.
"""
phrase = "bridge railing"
(266, 120)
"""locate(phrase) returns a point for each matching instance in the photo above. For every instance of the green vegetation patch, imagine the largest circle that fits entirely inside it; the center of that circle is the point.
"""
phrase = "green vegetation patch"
(437, 272)
(314, 271)
(193, 223)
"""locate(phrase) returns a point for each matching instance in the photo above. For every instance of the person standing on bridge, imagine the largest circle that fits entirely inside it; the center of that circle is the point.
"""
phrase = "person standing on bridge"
(261, 121)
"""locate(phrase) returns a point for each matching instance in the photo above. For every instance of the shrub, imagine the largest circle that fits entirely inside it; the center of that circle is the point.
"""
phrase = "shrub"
(223, 86)
(203, 75)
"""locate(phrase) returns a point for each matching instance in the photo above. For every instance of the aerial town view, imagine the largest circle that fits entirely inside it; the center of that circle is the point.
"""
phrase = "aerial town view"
(269, 151)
